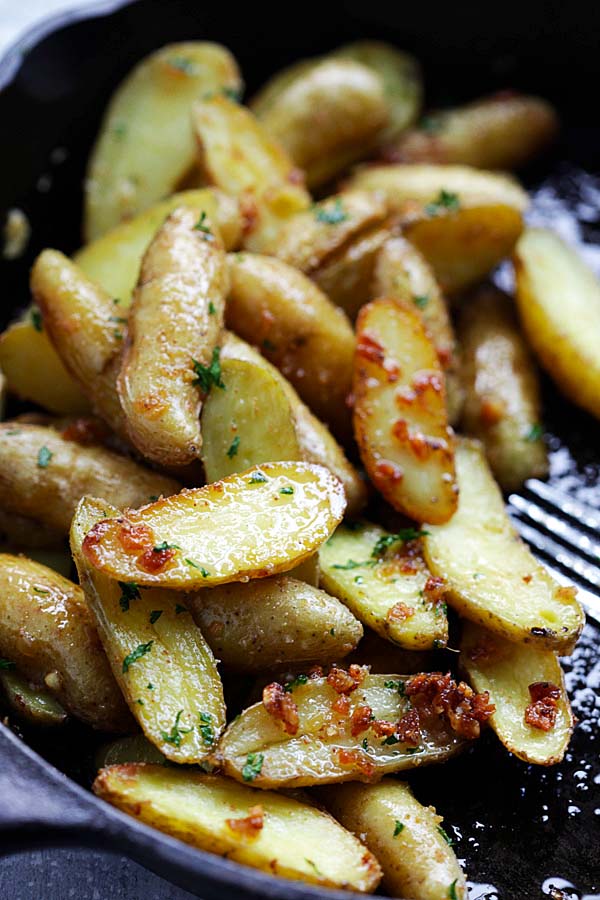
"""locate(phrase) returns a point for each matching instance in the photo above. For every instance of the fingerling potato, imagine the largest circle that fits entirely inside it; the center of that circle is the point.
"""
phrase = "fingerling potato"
(258, 523)
(492, 577)
(48, 632)
(145, 148)
(400, 419)
(262, 829)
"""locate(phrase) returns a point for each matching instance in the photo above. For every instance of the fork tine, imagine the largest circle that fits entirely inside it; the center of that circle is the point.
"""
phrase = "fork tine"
(560, 501)
(558, 527)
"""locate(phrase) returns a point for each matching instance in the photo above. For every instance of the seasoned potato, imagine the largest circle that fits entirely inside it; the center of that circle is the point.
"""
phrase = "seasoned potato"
(48, 632)
(258, 523)
(44, 475)
(326, 114)
(533, 717)
(391, 592)
(145, 148)
(238, 155)
(492, 578)
(316, 443)
(113, 260)
(407, 838)
(558, 299)
(86, 327)
(262, 829)
(305, 740)
(173, 329)
(409, 458)
(162, 663)
(297, 328)
(35, 372)
(502, 395)
(274, 621)
(31, 703)
(402, 82)
(501, 131)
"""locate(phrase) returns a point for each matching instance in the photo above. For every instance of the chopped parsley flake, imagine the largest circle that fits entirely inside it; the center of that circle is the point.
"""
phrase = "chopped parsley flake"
(40, 591)
(129, 591)
(183, 64)
(36, 319)
(390, 740)
(313, 866)
(298, 680)
(446, 836)
(452, 890)
(153, 498)
(421, 300)
(332, 632)
(398, 828)
(365, 744)
(353, 564)
(331, 215)
(207, 376)
(44, 457)
(174, 736)
(257, 478)
(122, 319)
(206, 729)
(6, 664)
(287, 490)
(164, 545)
(232, 93)
(253, 767)
(445, 200)
(234, 447)
(155, 615)
(386, 540)
(136, 654)
(203, 227)
(180, 608)
(211, 308)
(535, 433)
(397, 686)
(150, 686)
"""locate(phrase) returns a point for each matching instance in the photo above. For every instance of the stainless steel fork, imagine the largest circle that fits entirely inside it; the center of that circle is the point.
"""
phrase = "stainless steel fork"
(565, 534)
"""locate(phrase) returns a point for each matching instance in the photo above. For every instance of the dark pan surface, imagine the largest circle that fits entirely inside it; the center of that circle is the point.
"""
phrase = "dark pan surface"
(523, 831)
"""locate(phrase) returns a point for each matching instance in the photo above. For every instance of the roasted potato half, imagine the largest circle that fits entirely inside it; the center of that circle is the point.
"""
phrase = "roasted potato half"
(262, 829)
(558, 298)
(145, 148)
(273, 622)
(30, 703)
(400, 419)
(533, 717)
(257, 523)
(413, 849)
(48, 633)
(43, 475)
(162, 663)
(502, 405)
(492, 577)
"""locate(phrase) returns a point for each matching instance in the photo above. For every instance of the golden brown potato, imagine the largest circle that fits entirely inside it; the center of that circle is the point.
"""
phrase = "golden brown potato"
(274, 621)
(558, 298)
(501, 131)
(43, 475)
(491, 575)
(159, 658)
(502, 395)
(171, 353)
(327, 114)
(258, 523)
(413, 849)
(533, 717)
(400, 419)
(297, 328)
(145, 148)
(237, 155)
(48, 632)
(262, 829)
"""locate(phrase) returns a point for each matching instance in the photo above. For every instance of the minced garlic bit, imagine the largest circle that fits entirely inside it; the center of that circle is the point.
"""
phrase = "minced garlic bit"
(17, 232)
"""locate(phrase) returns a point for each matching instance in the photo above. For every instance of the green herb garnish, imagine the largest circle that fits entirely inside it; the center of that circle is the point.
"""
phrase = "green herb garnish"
(397, 686)
(452, 890)
(331, 215)
(129, 591)
(295, 682)
(174, 737)
(535, 433)
(398, 827)
(36, 319)
(206, 729)
(136, 654)
(44, 457)
(287, 490)
(211, 308)
(445, 835)
(183, 64)
(203, 227)
(234, 447)
(353, 564)
(406, 534)
(207, 376)
(180, 608)
(257, 478)
(164, 545)
(445, 200)
(421, 300)
(155, 615)
(253, 767)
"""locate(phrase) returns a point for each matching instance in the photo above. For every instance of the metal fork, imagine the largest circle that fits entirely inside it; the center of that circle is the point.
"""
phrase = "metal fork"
(565, 534)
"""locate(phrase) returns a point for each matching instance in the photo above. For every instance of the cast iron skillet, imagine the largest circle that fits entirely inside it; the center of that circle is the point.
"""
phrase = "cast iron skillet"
(523, 831)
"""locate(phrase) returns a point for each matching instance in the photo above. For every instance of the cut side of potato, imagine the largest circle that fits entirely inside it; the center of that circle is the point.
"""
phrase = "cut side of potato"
(145, 148)
(502, 394)
(492, 577)
(171, 354)
(413, 849)
(44, 474)
(400, 419)
(297, 328)
(238, 155)
(350, 726)
(558, 298)
(258, 523)
(526, 685)
(159, 658)
(274, 622)
(390, 590)
(267, 831)
(48, 633)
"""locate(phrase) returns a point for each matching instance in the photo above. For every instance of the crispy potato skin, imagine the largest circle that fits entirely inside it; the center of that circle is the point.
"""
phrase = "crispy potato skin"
(558, 298)
(49, 493)
(47, 630)
(502, 131)
(274, 621)
(400, 419)
(175, 320)
(492, 577)
(294, 840)
(417, 861)
(326, 114)
(297, 328)
(502, 396)
(145, 147)
(506, 670)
